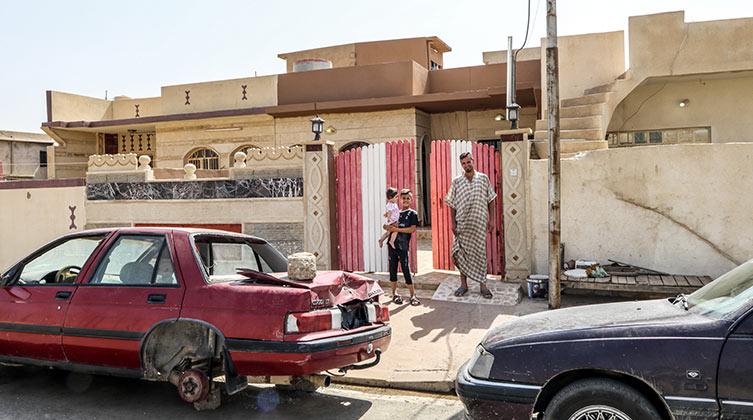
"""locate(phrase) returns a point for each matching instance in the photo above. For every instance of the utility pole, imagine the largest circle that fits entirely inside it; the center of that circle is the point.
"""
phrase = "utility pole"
(553, 125)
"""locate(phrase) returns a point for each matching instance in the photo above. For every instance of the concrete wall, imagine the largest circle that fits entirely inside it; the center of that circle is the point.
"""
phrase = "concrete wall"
(69, 159)
(220, 95)
(683, 209)
(69, 107)
(476, 125)
(124, 108)
(21, 159)
(586, 61)
(664, 44)
(31, 217)
(500, 57)
(715, 102)
(176, 140)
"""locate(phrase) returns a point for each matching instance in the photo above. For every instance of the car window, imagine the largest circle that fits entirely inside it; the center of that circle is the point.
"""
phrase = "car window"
(222, 257)
(141, 260)
(727, 294)
(61, 263)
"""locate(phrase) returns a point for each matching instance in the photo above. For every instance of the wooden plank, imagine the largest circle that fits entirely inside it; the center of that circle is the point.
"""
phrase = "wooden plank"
(681, 281)
(668, 280)
(630, 280)
(694, 281)
(655, 280)
(642, 280)
(705, 279)
(358, 219)
(619, 279)
(434, 204)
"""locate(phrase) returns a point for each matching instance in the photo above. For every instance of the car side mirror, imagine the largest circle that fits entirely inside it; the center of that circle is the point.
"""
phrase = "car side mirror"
(4, 279)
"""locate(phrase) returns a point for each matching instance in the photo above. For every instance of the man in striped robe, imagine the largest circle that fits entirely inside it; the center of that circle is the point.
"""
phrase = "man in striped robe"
(471, 201)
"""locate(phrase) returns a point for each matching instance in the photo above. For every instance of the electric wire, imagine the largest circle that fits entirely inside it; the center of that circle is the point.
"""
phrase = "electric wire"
(528, 24)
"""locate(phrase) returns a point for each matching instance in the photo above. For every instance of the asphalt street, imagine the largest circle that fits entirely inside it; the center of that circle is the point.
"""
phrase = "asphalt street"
(36, 393)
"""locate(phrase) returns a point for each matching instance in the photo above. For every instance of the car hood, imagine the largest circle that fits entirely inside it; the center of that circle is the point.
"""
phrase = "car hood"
(636, 318)
(328, 288)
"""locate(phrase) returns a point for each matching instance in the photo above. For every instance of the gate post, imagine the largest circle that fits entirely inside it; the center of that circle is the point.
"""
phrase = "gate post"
(515, 155)
(319, 206)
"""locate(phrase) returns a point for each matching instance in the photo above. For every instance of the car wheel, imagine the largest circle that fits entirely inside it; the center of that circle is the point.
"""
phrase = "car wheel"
(599, 399)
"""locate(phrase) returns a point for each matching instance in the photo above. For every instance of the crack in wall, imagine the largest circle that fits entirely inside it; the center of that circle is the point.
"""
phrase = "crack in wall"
(682, 225)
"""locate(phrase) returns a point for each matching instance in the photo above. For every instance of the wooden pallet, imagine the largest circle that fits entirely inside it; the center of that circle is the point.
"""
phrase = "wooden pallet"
(644, 286)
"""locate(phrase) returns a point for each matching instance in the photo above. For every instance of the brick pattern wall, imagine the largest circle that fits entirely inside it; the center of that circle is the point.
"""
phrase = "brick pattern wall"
(286, 237)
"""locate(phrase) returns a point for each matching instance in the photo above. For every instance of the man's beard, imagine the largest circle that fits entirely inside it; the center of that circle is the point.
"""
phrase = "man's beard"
(467, 170)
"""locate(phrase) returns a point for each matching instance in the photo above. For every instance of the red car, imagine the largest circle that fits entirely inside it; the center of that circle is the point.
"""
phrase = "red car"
(186, 306)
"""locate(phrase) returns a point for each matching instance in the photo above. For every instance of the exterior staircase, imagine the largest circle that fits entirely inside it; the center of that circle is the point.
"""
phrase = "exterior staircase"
(583, 120)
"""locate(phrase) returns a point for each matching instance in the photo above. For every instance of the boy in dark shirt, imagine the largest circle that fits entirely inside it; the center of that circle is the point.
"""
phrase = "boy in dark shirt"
(406, 225)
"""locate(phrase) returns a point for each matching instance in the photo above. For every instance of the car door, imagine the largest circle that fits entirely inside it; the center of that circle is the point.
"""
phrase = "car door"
(35, 297)
(735, 388)
(134, 286)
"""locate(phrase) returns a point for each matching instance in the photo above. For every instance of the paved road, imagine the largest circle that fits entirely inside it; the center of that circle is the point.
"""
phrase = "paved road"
(35, 393)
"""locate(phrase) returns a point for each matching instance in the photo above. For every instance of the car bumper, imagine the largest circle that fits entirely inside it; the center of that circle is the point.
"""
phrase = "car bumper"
(273, 358)
(494, 400)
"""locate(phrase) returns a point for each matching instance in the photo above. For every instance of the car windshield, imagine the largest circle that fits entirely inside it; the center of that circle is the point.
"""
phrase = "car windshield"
(725, 295)
(223, 256)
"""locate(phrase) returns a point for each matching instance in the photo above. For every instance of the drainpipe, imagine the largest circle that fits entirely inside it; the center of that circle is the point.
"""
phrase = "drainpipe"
(553, 125)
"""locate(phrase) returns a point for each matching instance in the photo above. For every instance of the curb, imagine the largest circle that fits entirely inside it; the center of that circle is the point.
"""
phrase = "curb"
(436, 387)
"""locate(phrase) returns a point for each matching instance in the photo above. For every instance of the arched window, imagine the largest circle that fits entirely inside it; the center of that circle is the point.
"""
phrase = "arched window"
(245, 149)
(204, 158)
(353, 145)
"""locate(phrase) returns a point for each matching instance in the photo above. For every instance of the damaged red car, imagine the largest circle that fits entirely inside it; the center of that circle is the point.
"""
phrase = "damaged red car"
(186, 306)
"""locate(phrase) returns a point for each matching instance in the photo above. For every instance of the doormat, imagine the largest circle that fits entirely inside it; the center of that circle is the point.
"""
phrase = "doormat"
(506, 294)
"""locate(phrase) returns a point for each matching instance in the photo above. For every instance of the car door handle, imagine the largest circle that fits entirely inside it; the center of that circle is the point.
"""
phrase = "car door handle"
(156, 299)
(62, 295)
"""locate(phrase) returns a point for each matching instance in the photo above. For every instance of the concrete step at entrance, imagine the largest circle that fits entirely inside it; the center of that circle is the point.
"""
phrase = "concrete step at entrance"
(585, 134)
(589, 110)
(569, 147)
(594, 98)
(575, 123)
(423, 232)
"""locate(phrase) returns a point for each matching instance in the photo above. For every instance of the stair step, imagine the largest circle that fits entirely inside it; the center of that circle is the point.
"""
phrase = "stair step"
(607, 87)
(569, 147)
(574, 123)
(594, 98)
(589, 110)
(583, 134)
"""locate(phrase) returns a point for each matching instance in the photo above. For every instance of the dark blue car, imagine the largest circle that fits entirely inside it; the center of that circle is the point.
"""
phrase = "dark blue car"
(681, 358)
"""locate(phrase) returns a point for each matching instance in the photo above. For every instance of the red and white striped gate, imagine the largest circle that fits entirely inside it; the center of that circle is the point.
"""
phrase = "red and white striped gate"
(445, 165)
(363, 175)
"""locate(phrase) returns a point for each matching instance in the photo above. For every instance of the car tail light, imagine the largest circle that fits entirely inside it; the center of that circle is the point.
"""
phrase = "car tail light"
(313, 321)
(377, 313)
(331, 319)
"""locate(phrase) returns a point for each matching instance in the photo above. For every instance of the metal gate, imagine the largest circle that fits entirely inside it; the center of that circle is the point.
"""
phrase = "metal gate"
(363, 175)
(445, 165)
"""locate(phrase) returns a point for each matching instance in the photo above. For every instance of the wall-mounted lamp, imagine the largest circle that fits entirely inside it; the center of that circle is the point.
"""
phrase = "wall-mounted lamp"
(330, 130)
(684, 103)
(499, 117)
(317, 126)
(513, 113)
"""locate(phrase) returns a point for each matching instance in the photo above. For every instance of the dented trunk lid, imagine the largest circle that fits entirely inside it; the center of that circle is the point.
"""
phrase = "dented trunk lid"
(328, 288)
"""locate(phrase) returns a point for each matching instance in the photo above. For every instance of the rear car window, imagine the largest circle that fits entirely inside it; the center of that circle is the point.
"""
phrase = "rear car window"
(223, 256)
(141, 260)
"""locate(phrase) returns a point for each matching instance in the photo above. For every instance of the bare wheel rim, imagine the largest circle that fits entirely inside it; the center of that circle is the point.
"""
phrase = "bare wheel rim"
(599, 412)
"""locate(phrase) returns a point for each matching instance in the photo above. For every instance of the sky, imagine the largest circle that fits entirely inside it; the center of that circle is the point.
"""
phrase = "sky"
(98, 48)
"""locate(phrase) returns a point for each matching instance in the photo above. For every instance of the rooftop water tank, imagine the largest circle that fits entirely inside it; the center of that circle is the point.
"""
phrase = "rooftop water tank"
(311, 64)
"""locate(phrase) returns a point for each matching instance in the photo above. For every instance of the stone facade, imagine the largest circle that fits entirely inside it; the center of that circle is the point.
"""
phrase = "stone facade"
(286, 237)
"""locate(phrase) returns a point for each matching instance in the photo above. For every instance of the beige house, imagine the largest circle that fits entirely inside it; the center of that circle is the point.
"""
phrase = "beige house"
(682, 93)
(23, 155)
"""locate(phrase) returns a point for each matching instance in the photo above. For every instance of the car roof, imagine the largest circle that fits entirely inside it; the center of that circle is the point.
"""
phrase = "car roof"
(165, 229)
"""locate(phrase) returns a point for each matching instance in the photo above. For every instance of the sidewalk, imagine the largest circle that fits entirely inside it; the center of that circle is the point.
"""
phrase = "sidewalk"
(431, 341)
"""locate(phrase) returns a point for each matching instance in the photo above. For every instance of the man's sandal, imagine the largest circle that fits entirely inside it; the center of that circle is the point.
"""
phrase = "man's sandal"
(414, 301)
(461, 291)
(486, 293)
(397, 299)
